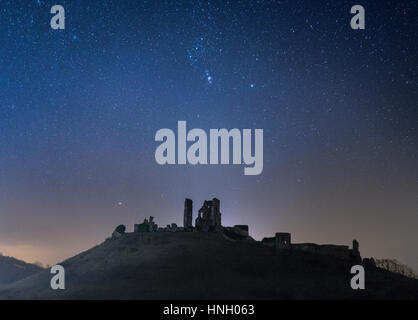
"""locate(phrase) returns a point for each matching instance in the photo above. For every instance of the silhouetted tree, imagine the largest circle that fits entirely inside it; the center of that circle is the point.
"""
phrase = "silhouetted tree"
(395, 266)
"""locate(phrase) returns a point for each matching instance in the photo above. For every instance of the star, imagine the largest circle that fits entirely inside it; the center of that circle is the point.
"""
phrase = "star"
(209, 78)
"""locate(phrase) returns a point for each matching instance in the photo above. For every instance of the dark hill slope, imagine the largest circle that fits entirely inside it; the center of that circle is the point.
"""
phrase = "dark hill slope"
(205, 266)
(12, 270)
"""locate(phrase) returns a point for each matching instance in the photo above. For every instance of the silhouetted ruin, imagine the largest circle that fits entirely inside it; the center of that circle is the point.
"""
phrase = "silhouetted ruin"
(209, 216)
(188, 215)
(146, 226)
(209, 219)
(282, 242)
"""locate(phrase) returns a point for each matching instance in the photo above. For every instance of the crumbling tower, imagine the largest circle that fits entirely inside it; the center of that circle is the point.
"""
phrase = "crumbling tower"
(188, 214)
(356, 247)
(209, 216)
(216, 214)
(355, 252)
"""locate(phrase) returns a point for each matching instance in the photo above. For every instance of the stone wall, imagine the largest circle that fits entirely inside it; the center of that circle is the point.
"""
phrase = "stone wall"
(282, 242)
(342, 252)
(269, 242)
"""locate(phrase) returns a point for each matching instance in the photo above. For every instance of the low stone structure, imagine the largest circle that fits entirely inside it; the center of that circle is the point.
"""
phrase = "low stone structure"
(146, 226)
(282, 242)
(338, 251)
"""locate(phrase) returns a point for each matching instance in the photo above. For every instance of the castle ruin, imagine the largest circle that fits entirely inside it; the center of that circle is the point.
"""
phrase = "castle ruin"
(209, 216)
(282, 243)
(209, 219)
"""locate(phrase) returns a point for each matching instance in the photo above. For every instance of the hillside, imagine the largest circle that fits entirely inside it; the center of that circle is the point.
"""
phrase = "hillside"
(12, 270)
(206, 266)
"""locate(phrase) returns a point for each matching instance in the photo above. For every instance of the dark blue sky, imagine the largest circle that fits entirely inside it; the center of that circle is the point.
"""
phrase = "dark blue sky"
(79, 109)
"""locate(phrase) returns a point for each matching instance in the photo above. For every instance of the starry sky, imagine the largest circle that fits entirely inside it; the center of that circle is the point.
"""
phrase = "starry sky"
(79, 109)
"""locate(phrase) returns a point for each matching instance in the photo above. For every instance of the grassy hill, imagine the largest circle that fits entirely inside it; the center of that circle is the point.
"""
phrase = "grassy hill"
(206, 266)
(12, 270)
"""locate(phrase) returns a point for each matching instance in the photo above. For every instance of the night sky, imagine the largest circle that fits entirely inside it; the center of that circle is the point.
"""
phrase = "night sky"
(79, 109)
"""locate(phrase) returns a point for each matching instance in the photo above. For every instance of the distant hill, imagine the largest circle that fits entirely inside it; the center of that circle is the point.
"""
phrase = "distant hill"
(206, 266)
(12, 270)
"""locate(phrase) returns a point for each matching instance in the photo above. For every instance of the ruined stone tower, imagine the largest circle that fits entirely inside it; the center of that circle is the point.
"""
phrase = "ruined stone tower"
(209, 216)
(356, 247)
(188, 214)
(355, 252)
(216, 213)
